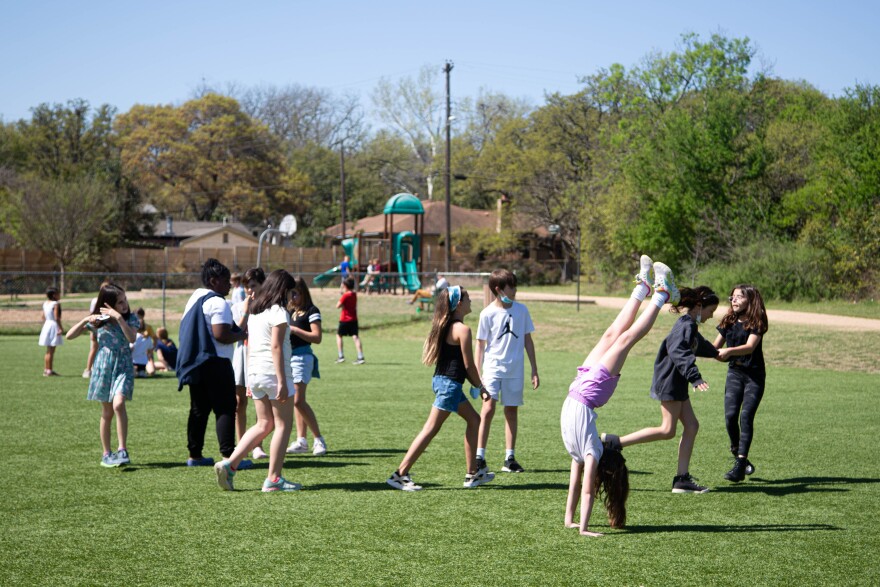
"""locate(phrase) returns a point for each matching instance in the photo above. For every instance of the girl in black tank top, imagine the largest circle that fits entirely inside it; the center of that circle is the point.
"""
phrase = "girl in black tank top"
(449, 347)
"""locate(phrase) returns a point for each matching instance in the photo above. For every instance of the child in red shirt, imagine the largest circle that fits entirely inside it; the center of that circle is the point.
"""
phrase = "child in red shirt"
(348, 321)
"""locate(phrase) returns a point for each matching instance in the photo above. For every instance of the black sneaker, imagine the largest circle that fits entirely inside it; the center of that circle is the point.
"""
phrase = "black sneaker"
(511, 466)
(481, 464)
(687, 484)
(750, 468)
(738, 472)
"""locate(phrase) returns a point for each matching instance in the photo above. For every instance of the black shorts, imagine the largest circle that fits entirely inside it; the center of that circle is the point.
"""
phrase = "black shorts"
(348, 328)
(677, 395)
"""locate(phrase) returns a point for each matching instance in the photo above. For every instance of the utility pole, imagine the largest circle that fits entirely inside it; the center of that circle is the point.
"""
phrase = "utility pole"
(448, 69)
(342, 185)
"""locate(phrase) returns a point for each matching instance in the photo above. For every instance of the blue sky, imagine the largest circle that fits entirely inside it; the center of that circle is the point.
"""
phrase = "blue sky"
(123, 53)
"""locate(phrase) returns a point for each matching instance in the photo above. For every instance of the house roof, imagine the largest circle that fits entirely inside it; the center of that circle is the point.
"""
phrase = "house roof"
(189, 228)
(434, 220)
(223, 228)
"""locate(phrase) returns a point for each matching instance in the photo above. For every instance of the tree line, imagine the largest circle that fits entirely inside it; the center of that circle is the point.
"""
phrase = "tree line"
(695, 155)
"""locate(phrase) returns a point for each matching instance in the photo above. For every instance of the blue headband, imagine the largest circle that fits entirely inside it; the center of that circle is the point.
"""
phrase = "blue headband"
(454, 297)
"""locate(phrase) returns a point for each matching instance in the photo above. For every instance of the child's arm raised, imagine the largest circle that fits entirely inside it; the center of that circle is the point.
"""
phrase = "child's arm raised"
(530, 352)
(78, 328)
(127, 330)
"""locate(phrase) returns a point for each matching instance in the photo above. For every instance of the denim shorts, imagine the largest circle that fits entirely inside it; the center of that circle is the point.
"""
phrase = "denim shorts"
(448, 393)
(301, 368)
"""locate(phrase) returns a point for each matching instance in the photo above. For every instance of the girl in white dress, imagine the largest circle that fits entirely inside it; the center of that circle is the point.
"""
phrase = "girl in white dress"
(52, 334)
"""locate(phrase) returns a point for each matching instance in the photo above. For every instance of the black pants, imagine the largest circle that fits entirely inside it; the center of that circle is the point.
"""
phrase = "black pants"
(742, 395)
(215, 392)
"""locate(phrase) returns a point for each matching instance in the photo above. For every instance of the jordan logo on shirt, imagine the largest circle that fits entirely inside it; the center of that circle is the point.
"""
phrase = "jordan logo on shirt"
(506, 329)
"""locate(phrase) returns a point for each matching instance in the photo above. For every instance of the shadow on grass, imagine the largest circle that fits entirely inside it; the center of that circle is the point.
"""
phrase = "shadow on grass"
(719, 528)
(365, 452)
(782, 487)
(359, 486)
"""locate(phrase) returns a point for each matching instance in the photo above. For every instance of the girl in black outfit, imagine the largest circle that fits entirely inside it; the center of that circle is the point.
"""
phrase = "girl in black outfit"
(675, 371)
(449, 345)
(742, 329)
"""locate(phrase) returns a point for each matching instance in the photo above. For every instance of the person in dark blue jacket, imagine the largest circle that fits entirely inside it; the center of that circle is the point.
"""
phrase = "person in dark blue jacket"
(675, 372)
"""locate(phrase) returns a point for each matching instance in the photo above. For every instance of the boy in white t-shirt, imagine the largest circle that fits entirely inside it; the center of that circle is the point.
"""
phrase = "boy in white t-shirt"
(503, 339)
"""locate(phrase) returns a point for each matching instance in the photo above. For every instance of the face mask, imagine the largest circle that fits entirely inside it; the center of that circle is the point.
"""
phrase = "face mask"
(504, 299)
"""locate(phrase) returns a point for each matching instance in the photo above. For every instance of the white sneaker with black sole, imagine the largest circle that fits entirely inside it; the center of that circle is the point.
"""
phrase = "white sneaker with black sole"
(482, 476)
(402, 482)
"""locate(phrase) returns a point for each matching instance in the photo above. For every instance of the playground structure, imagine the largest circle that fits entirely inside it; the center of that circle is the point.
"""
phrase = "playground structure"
(400, 251)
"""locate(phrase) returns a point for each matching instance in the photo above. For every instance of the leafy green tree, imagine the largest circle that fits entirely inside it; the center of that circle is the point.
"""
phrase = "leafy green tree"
(68, 218)
(204, 159)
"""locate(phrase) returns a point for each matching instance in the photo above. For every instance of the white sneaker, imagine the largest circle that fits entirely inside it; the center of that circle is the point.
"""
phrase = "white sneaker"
(402, 482)
(87, 374)
(296, 448)
(319, 448)
(259, 453)
(340, 360)
(665, 281)
(360, 361)
(480, 477)
(646, 272)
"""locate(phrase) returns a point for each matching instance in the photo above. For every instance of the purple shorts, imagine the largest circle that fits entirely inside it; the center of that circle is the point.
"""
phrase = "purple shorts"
(593, 386)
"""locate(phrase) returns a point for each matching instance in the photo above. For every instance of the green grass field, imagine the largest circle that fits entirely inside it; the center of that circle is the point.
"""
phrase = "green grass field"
(807, 516)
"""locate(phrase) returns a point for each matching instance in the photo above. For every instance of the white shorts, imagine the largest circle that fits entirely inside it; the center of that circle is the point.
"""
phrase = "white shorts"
(508, 391)
(579, 433)
(267, 386)
(239, 365)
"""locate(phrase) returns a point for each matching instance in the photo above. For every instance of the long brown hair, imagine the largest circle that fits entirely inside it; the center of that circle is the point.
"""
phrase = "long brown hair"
(275, 290)
(691, 298)
(305, 298)
(440, 324)
(612, 483)
(109, 295)
(753, 316)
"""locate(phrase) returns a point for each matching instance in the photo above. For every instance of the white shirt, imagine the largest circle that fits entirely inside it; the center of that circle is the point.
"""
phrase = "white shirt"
(260, 327)
(216, 311)
(142, 343)
(504, 330)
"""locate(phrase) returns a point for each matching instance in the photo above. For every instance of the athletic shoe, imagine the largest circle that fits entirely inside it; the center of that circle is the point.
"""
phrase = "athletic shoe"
(687, 484)
(109, 460)
(511, 466)
(87, 374)
(646, 272)
(259, 453)
(481, 464)
(225, 475)
(738, 472)
(402, 482)
(122, 457)
(202, 462)
(245, 464)
(479, 478)
(360, 361)
(296, 448)
(319, 447)
(611, 442)
(340, 360)
(750, 468)
(281, 485)
(665, 281)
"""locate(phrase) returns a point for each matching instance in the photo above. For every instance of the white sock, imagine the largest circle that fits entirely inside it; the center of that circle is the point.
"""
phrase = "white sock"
(481, 453)
(659, 298)
(508, 454)
(360, 357)
(302, 441)
(321, 440)
(640, 291)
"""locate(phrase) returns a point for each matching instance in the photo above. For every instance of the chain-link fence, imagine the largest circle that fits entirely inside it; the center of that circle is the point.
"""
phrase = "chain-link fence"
(162, 294)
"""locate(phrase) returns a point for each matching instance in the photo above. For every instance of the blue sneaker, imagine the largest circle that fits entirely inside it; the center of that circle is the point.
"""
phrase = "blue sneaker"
(225, 475)
(281, 485)
(109, 460)
(245, 465)
(202, 462)
(122, 457)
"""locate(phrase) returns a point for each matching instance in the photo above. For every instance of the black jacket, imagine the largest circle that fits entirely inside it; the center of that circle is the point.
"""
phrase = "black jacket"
(675, 369)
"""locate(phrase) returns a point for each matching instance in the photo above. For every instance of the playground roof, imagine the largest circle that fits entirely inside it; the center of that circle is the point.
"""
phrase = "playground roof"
(435, 221)
(403, 204)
